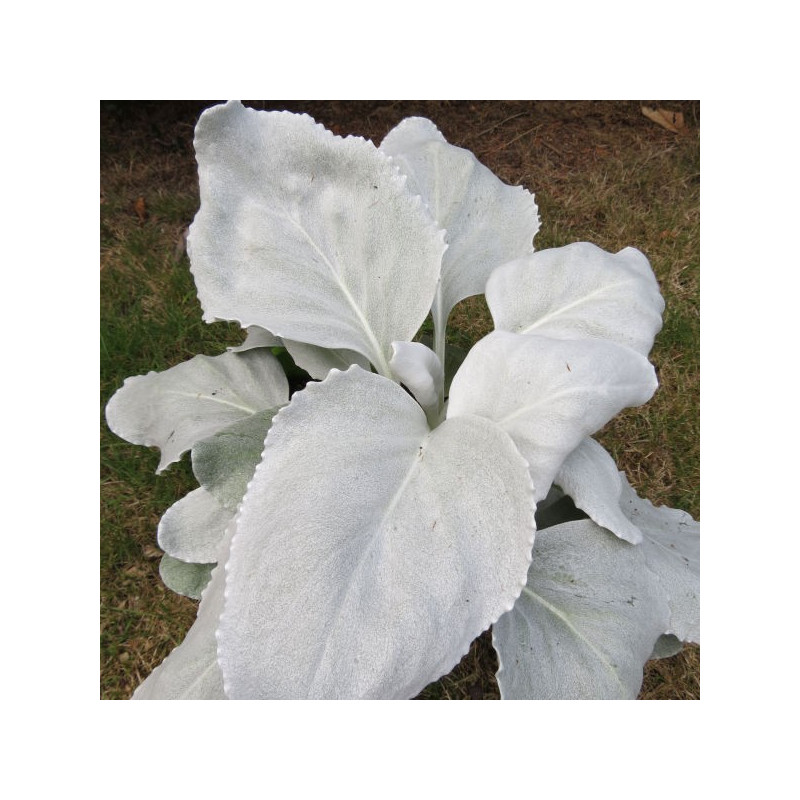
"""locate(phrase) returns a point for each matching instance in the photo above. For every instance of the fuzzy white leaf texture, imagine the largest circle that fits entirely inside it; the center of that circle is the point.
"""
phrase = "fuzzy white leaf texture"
(319, 361)
(671, 547)
(183, 577)
(370, 550)
(192, 529)
(224, 463)
(308, 235)
(487, 221)
(257, 337)
(418, 368)
(549, 394)
(591, 478)
(667, 646)
(176, 408)
(586, 622)
(579, 290)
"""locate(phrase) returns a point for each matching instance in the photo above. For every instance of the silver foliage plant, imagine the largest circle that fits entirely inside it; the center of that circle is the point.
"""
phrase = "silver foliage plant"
(353, 541)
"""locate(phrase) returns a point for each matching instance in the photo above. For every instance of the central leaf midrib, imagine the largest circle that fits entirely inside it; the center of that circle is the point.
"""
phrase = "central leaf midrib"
(372, 541)
(560, 615)
(380, 362)
(221, 401)
(587, 298)
(550, 398)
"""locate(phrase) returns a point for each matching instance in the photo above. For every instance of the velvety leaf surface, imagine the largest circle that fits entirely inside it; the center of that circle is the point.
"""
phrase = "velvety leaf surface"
(591, 478)
(667, 646)
(309, 235)
(225, 462)
(671, 546)
(370, 551)
(579, 290)
(586, 622)
(319, 361)
(184, 578)
(487, 221)
(418, 368)
(257, 337)
(549, 394)
(176, 408)
(192, 529)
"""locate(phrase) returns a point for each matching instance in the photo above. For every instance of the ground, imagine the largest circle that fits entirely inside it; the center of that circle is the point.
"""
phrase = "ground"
(601, 172)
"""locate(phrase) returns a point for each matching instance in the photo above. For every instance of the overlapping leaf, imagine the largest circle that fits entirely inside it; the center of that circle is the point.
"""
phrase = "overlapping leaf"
(192, 528)
(370, 551)
(319, 361)
(184, 578)
(549, 394)
(591, 478)
(667, 646)
(586, 622)
(418, 368)
(671, 547)
(191, 671)
(309, 235)
(579, 291)
(487, 221)
(176, 408)
(257, 337)
(225, 462)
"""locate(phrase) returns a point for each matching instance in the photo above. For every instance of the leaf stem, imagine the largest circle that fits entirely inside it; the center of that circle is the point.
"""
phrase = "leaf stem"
(439, 347)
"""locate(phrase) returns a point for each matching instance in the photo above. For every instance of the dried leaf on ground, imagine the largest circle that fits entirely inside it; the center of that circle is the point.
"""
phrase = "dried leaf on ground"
(671, 120)
(140, 208)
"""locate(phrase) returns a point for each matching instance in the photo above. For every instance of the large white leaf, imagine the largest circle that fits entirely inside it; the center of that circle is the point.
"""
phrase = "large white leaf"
(579, 290)
(191, 671)
(309, 235)
(591, 478)
(193, 528)
(176, 408)
(586, 622)
(671, 547)
(370, 551)
(549, 394)
(487, 221)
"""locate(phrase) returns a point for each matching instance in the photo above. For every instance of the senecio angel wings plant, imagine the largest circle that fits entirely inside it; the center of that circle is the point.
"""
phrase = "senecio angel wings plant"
(352, 541)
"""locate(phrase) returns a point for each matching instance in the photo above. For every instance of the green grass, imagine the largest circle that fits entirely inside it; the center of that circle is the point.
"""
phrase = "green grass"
(150, 320)
(600, 173)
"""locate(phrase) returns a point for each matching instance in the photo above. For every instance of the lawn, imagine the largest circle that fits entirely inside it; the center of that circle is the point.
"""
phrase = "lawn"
(601, 172)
